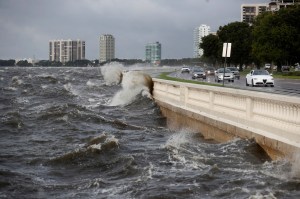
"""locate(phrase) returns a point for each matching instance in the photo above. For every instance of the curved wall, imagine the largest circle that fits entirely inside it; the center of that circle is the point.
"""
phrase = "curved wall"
(220, 113)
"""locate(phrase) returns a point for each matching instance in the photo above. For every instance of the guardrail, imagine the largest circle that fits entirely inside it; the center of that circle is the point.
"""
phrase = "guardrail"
(273, 116)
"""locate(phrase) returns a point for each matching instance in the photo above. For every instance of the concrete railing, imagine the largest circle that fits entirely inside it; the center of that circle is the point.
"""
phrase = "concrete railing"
(271, 115)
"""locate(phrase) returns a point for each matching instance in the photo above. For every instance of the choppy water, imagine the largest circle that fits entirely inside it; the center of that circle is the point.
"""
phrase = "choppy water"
(75, 133)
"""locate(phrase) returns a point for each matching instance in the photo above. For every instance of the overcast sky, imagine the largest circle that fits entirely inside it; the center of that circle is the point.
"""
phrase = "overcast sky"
(26, 26)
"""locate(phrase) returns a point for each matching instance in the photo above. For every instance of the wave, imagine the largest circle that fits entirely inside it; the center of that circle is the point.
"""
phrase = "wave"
(97, 145)
(133, 84)
(12, 119)
(112, 73)
(69, 88)
(49, 78)
(16, 80)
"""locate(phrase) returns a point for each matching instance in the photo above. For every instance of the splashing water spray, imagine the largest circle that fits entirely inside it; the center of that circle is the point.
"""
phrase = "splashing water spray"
(133, 83)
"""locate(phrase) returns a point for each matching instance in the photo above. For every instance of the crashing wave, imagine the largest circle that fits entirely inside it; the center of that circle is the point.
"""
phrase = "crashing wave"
(133, 83)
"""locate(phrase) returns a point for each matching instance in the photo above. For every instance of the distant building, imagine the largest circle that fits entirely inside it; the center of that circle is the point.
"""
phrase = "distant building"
(107, 48)
(276, 5)
(153, 53)
(199, 33)
(250, 11)
(29, 60)
(66, 50)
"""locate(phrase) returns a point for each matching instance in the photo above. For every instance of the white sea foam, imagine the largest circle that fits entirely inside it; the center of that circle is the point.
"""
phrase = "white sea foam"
(11, 88)
(133, 84)
(177, 139)
(70, 88)
(259, 195)
(112, 73)
(16, 80)
(90, 83)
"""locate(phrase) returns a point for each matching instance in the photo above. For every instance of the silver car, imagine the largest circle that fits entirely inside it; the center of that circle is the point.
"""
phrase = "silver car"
(235, 72)
(220, 74)
(199, 73)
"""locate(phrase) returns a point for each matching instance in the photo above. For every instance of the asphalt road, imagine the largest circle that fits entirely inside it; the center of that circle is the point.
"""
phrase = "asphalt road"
(282, 86)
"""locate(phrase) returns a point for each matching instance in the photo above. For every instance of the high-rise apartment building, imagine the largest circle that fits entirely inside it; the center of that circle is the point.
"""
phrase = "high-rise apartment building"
(199, 33)
(66, 50)
(107, 48)
(153, 53)
(250, 11)
(276, 5)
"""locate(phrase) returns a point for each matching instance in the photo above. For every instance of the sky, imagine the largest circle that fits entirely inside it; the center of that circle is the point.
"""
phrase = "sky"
(27, 26)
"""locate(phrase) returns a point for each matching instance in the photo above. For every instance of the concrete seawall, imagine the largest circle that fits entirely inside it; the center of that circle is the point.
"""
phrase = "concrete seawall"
(222, 114)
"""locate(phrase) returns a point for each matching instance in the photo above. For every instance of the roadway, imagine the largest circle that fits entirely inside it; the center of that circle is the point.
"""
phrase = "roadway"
(282, 86)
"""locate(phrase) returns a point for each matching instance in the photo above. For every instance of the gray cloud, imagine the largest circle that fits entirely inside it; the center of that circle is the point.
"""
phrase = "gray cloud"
(27, 26)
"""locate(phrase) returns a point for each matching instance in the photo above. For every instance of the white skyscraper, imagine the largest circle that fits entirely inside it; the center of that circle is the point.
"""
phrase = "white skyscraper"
(107, 48)
(200, 32)
(66, 50)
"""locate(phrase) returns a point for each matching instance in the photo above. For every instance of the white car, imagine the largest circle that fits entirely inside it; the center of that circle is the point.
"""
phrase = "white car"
(220, 74)
(259, 78)
(185, 70)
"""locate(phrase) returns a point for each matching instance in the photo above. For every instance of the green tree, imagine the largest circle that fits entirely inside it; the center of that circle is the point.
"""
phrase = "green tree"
(23, 63)
(211, 48)
(10, 62)
(240, 35)
(276, 37)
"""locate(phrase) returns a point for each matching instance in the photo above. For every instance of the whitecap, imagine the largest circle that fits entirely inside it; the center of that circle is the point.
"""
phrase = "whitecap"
(133, 84)
(112, 73)
(69, 87)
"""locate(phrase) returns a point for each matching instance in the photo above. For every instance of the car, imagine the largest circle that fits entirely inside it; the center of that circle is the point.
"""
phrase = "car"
(259, 78)
(285, 68)
(297, 68)
(235, 72)
(267, 66)
(198, 73)
(220, 74)
(210, 71)
(185, 69)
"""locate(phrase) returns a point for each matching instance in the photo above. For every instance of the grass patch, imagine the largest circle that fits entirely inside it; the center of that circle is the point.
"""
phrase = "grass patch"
(287, 75)
(166, 77)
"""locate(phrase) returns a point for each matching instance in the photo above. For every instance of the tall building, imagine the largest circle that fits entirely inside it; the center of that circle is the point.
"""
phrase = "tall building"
(107, 48)
(276, 5)
(153, 53)
(199, 33)
(250, 11)
(66, 50)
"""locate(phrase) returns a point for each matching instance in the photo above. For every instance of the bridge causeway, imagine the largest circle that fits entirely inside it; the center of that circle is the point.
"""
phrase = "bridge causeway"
(222, 114)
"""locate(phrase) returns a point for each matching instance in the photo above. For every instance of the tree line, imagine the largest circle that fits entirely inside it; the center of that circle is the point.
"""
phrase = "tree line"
(273, 38)
(84, 63)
